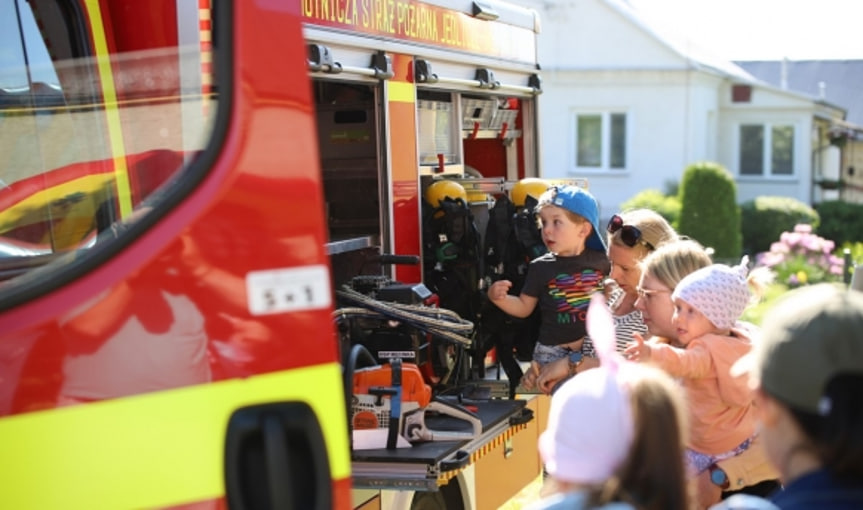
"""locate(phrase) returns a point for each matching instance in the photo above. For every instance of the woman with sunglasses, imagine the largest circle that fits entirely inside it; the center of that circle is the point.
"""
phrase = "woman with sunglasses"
(631, 235)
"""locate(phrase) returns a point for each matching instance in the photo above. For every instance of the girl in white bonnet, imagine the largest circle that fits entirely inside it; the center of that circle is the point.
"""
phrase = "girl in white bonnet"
(615, 435)
(707, 305)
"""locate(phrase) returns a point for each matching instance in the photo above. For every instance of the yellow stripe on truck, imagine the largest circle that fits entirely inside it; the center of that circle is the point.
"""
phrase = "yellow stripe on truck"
(112, 113)
(401, 92)
(152, 450)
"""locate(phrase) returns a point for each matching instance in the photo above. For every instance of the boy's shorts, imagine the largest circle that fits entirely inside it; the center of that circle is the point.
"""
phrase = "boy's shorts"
(544, 354)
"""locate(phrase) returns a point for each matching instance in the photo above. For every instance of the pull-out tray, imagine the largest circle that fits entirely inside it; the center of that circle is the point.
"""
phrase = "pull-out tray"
(427, 465)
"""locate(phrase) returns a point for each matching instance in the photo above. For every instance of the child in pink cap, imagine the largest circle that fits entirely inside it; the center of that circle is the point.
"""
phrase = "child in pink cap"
(615, 434)
(707, 306)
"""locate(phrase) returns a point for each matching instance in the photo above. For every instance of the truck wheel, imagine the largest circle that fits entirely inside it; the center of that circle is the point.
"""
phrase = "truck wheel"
(428, 501)
(449, 497)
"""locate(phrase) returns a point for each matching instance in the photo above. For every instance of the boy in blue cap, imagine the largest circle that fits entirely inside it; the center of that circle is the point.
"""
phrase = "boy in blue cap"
(561, 281)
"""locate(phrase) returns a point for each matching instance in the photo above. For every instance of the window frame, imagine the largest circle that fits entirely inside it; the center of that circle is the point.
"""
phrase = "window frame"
(768, 150)
(606, 140)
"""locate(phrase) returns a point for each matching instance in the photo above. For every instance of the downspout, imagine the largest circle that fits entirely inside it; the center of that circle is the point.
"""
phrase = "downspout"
(815, 165)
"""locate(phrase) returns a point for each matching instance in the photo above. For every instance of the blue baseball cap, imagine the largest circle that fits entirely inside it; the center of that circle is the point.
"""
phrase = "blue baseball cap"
(582, 203)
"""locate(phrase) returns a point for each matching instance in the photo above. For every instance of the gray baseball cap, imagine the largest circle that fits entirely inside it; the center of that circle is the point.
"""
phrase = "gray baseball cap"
(810, 336)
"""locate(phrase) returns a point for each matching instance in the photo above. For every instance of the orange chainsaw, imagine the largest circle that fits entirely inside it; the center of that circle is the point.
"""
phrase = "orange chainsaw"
(395, 397)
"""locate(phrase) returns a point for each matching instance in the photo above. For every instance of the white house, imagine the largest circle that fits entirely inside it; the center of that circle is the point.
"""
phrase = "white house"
(629, 105)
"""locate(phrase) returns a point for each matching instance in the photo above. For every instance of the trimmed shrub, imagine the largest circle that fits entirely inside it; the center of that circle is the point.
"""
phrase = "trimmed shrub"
(708, 209)
(765, 218)
(840, 221)
(667, 206)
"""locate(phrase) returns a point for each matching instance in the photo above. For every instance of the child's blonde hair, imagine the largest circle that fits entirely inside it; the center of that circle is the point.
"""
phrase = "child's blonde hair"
(660, 425)
(672, 261)
(759, 279)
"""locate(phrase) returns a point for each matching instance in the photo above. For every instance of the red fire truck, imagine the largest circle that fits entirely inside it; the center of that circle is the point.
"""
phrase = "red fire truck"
(183, 185)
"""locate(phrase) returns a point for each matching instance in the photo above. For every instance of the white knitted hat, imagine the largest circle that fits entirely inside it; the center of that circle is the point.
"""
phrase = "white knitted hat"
(718, 291)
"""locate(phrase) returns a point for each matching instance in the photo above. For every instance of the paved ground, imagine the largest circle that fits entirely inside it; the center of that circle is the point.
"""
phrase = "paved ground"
(528, 495)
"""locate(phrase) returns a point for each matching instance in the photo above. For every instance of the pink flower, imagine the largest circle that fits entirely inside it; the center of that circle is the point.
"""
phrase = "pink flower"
(802, 257)
(790, 238)
(779, 247)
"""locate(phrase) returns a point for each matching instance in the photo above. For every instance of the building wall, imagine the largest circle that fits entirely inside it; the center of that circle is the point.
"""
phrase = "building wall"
(598, 58)
(589, 34)
(852, 171)
(672, 122)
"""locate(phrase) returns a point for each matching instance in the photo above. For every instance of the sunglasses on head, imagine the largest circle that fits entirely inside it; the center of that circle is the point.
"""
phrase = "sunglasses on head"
(628, 234)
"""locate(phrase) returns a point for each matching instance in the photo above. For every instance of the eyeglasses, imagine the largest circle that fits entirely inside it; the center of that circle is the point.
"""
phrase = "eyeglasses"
(646, 293)
(629, 234)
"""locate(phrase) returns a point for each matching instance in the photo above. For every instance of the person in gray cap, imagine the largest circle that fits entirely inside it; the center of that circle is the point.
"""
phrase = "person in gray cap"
(807, 373)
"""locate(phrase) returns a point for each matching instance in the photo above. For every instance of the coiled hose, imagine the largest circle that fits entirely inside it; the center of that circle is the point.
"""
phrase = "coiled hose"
(439, 322)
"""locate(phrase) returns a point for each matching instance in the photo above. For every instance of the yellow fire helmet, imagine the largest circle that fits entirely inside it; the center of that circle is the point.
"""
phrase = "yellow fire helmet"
(532, 186)
(444, 188)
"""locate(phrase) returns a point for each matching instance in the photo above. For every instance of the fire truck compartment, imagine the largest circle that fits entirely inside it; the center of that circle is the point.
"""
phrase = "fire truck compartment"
(422, 465)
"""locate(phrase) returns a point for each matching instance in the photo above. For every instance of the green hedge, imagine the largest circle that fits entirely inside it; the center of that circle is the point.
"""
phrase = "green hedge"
(708, 209)
(841, 222)
(667, 206)
(766, 217)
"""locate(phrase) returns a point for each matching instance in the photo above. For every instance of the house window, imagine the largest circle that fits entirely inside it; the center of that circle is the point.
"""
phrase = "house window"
(600, 140)
(618, 140)
(782, 150)
(766, 150)
(751, 150)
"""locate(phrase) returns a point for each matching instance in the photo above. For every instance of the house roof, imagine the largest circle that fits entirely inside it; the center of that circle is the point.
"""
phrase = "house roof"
(678, 42)
(841, 80)
(703, 58)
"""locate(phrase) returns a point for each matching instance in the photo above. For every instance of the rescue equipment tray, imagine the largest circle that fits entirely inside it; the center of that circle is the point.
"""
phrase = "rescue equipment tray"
(428, 465)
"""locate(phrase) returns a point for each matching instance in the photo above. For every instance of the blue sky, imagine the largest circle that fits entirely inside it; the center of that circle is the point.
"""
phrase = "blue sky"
(729, 29)
(12, 70)
(766, 29)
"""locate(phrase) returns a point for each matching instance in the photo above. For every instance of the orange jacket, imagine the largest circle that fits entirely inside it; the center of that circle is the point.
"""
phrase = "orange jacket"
(721, 409)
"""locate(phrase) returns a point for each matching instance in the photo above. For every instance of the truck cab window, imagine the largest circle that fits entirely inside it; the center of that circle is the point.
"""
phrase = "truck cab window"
(93, 119)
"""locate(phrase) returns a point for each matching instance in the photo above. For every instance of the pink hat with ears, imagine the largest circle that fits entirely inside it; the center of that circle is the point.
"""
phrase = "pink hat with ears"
(590, 425)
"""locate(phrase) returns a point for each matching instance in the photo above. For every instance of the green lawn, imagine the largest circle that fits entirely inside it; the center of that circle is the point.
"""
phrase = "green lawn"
(754, 313)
